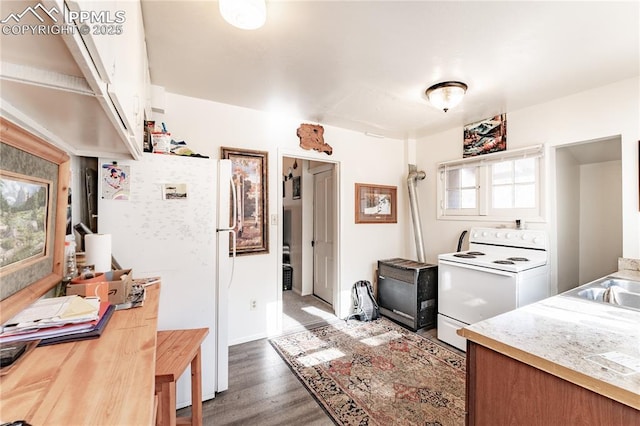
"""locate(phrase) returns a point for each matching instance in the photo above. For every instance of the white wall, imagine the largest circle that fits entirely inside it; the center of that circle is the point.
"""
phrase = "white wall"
(206, 126)
(600, 219)
(568, 219)
(599, 113)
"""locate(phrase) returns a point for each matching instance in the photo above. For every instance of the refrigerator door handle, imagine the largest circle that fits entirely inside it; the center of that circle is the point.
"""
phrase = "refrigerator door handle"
(232, 230)
(234, 209)
(233, 236)
(233, 256)
(234, 213)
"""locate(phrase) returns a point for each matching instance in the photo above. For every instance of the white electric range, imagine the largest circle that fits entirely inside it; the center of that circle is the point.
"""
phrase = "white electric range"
(502, 270)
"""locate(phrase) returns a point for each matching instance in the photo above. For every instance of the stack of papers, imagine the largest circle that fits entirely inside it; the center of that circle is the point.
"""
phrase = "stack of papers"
(54, 317)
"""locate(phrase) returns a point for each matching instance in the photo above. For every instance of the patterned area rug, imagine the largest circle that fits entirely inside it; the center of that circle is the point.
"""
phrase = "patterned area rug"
(377, 373)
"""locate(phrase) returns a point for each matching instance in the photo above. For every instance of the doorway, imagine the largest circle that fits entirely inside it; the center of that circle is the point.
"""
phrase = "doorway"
(309, 242)
(588, 210)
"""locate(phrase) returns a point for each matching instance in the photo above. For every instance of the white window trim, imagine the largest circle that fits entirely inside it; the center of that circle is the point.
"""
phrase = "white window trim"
(456, 212)
(484, 212)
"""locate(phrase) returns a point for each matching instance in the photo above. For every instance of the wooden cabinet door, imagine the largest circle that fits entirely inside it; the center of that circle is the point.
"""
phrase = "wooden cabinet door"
(503, 391)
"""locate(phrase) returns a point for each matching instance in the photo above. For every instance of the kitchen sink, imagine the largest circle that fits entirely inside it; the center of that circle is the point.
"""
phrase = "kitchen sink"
(630, 286)
(609, 290)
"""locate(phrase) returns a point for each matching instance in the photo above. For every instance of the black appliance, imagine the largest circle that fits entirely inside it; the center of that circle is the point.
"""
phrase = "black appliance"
(407, 292)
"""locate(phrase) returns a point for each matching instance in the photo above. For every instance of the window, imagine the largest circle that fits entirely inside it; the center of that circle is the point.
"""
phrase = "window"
(461, 191)
(494, 186)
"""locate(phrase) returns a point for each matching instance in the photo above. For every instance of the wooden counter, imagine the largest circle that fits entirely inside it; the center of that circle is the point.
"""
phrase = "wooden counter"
(504, 391)
(559, 356)
(105, 381)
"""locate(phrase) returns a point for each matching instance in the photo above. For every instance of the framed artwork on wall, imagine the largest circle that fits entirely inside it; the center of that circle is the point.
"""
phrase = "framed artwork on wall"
(295, 184)
(485, 136)
(26, 209)
(35, 183)
(249, 175)
(376, 203)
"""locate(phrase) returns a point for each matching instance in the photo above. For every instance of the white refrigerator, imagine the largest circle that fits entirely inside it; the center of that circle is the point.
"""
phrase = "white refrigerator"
(164, 222)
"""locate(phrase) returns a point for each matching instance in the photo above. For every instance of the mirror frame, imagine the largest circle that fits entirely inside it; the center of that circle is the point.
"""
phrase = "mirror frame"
(19, 138)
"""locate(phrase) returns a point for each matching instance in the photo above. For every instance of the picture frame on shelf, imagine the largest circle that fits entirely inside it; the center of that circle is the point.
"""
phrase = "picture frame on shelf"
(249, 171)
(25, 157)
(375, 203)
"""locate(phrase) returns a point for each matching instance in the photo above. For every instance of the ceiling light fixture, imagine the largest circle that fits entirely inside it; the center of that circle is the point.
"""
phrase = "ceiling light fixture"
(374, 135)
(446, 95)
(244, 14)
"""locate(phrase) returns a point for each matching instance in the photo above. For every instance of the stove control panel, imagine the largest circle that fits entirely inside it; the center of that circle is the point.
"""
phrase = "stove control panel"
(525, 238)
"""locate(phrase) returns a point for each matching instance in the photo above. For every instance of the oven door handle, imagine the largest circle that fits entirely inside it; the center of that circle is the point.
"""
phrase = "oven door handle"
(478, 268)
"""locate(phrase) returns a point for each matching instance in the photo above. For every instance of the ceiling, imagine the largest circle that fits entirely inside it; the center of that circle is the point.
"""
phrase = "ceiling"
(364, 65)
(597, 151)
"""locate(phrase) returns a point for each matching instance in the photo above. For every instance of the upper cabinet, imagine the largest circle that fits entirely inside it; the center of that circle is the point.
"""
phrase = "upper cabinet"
(84, 88)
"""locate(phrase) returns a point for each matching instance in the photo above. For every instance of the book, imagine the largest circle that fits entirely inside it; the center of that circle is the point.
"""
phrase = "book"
(52, 312)
(92, 333)
(55, 330)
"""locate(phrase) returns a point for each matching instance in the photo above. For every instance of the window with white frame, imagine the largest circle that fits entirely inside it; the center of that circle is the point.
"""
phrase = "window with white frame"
(461, 190)
(503, 185)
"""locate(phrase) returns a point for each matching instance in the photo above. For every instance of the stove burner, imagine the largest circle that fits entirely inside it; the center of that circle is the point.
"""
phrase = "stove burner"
(476, 253)
(504, 262)
(464, 255)
(518, 259)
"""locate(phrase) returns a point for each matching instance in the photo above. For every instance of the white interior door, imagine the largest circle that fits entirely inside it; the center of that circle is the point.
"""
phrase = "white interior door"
(323, 234)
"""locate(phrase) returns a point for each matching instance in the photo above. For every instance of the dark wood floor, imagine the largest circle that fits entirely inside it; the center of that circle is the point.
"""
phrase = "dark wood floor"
(262, 391)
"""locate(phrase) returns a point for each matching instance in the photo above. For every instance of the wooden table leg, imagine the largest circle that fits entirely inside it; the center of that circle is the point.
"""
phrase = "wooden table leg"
(196, 390)
(167, 404)
(177, 349)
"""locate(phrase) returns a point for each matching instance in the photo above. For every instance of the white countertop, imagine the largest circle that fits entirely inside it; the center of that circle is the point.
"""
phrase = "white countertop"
(567, 337)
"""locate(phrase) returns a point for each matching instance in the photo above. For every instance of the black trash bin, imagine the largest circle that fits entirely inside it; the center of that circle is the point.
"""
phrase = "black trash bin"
(287, 277)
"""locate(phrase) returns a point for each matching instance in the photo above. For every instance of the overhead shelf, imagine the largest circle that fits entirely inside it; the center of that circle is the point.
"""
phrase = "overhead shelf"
(51, 87)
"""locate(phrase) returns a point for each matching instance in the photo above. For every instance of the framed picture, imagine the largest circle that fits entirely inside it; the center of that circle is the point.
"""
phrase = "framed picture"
(249, 174)
(34, 177)
(296, 187)
(376, 203)
(116, 182)
(485, 136)
(25, 219)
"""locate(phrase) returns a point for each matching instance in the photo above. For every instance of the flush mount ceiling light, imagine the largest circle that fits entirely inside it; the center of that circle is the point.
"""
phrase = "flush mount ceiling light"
(446, 95)
(244, 14)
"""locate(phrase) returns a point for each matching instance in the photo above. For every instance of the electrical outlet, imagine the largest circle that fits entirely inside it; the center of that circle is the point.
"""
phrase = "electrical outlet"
(274, 219)
(253, 305)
